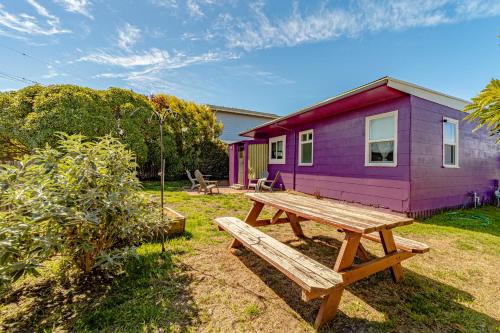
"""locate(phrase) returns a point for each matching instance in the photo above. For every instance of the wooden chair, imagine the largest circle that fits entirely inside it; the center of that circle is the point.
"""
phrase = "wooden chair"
(269, 184)
(194, 182)
(205, 185)
(253, 183)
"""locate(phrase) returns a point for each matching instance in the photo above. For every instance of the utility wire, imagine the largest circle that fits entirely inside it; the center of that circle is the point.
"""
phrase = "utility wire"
(48, 63)
(17, 78)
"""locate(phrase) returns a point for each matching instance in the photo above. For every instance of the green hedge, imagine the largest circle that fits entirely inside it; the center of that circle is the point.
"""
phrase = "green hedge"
(31, 117)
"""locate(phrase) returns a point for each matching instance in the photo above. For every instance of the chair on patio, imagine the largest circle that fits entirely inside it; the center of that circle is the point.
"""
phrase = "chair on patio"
(269, 184)
(194, 182)
(254, 183)
(206, 185)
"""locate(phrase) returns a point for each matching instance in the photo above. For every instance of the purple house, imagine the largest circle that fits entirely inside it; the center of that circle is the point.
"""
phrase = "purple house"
(387, 144)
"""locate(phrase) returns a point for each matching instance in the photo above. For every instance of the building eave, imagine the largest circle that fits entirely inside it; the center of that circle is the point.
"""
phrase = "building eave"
(402, 86)
(218, 108)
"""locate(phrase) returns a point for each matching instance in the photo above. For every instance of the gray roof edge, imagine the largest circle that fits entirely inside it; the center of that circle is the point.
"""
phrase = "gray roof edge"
(242, 111)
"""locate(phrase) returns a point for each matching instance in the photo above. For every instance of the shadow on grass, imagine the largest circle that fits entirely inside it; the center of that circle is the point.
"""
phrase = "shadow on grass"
(152, 295)
(417, 303)
(485, 219)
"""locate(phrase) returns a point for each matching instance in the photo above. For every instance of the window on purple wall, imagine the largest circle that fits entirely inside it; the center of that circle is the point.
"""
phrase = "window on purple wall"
(306, 148)
(277, 150)
(450, 143)
(381, 139)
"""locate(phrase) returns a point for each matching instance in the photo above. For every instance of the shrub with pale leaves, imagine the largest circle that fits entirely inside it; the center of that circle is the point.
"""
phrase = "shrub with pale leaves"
(81, 200)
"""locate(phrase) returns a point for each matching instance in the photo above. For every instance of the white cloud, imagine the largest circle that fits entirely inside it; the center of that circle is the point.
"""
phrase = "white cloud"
(31, 25)
(165, 3)
(128, 35)
(194, 8)
(77, 6)
(152, 57)
(52, 72)
(153, 76)
(155, 57)
(359, 17)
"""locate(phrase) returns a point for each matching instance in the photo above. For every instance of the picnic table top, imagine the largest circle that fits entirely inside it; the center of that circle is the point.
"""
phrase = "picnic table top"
(340, 215)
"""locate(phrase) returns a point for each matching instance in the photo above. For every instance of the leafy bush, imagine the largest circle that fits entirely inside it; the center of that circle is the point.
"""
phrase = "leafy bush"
(215, 159)
(81, 200)
(30, 117)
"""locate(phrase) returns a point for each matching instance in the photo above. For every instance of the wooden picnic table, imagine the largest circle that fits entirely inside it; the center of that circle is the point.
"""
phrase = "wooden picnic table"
(316, 279)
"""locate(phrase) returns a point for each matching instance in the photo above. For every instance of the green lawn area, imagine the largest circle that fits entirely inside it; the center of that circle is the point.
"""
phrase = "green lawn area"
(198, 285)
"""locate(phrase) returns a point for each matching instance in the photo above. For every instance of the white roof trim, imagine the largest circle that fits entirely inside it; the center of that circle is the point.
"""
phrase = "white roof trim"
(428, 94)
(403, 86)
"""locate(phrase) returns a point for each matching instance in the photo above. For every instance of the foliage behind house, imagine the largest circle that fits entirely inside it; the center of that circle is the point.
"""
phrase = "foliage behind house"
(30, 117)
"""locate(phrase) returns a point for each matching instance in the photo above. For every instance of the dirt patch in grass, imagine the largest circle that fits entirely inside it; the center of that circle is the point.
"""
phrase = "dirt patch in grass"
(202, 286)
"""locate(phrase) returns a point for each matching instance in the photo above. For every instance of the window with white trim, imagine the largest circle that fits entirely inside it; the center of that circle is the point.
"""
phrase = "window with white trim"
(381, 139)
(450, 143)
(277, 150)
(306, 148)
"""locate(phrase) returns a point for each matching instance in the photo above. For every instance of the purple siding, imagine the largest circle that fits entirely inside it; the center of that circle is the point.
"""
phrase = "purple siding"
(433, 186)
(233, 163)
(339, 170)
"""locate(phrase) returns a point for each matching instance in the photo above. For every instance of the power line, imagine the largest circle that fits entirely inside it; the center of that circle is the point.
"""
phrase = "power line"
(25, 54)
(17, 78)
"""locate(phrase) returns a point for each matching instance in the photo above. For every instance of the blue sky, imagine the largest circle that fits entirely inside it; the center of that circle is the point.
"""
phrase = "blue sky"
(270, 56)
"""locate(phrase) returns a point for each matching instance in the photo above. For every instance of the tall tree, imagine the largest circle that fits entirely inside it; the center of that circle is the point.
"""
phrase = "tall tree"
(485, 108)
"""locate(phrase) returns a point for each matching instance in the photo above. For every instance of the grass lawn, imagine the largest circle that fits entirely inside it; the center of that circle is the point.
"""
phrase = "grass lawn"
(200, 286)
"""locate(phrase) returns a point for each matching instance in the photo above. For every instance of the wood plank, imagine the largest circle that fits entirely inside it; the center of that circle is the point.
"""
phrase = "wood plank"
(264, 222)
(401, 243)
(390, 247)
(357, 211)
(306, 272)
(358, 272)
(254, 213)
(347, 251)
(251, 219)
(295, 224)
(296, 201)
(328, 308)
(301, 259)
(347, 217)
(362, 254)
(314, 214)
(277, 216)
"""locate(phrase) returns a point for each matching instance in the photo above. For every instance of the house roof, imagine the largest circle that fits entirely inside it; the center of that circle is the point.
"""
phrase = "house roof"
(242, 111)
(379, 90)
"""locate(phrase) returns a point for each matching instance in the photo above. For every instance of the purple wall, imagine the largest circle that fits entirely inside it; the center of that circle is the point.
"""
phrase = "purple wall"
(433, 186)
(339, 157)
(233, 163)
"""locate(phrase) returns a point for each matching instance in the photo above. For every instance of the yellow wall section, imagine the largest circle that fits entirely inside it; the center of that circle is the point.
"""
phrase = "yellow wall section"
(257, 160)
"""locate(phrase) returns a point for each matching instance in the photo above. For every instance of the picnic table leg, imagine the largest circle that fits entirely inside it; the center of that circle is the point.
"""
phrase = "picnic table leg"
(362, 254)
(390, 247)
(251, 218)
(348, 251)
(276, 216)
(345, 258)
(295, 224)
(329, 307)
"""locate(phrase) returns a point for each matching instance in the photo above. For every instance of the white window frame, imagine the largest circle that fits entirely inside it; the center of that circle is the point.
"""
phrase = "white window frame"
(300, 147)
(276, 139)
(368, 141)
(457, 136)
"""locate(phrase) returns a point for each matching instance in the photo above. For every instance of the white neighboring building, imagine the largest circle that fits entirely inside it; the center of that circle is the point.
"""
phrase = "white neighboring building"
(236, 121)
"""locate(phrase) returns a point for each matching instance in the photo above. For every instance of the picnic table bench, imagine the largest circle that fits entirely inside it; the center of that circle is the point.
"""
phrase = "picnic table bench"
(315, 279)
